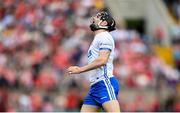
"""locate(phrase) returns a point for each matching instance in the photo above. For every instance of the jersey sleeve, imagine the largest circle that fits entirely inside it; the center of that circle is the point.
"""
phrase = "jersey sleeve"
(105, 44)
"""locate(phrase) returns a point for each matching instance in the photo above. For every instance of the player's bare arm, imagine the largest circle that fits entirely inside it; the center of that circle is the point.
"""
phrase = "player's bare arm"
(100, 61)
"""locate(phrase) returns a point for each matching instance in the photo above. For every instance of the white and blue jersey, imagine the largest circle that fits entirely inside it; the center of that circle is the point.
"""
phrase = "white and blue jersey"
(102, 41)
(104, 86)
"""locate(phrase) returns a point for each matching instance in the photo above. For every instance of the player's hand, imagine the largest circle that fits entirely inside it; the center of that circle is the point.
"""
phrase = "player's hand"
(74, 70)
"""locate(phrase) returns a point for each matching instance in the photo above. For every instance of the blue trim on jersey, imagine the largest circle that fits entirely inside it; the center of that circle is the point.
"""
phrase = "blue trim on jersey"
(107, 82)
(105, 49)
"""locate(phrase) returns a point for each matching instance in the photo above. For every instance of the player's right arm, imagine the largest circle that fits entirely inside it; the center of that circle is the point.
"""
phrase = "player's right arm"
(98, 62)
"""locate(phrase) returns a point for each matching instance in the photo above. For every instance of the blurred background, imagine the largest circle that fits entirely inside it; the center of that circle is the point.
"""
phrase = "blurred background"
(39, 39)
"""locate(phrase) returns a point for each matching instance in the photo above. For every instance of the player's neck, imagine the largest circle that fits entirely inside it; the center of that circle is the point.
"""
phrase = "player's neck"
(99, 31)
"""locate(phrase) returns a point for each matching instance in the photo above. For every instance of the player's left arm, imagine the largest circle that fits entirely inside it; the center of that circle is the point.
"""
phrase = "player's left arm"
(99, 61)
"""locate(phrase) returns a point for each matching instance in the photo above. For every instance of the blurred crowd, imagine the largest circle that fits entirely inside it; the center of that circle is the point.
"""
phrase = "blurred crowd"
(174, 8)
(39, 39)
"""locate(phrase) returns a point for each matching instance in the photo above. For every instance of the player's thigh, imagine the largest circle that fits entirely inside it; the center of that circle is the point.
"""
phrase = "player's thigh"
(111, 106)
(89, 108)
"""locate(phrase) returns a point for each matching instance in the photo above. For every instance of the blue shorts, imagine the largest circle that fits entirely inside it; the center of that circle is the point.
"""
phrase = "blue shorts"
(102, 91)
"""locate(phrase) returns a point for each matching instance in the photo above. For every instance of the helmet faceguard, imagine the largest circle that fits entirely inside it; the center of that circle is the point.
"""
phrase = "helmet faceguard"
(104, 16)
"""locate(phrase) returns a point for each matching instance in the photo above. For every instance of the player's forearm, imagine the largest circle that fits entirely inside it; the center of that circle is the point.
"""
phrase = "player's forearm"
(95, 64)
